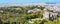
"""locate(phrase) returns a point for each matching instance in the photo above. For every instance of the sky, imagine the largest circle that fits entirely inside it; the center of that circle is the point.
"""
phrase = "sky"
(27, 1)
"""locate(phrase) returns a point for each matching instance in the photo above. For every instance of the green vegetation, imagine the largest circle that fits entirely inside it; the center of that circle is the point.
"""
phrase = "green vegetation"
(19, 15)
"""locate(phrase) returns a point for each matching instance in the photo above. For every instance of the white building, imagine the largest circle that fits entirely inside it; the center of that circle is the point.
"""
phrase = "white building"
(53, 14)
(45, 14)
(34, 10)
(54, 7)
(1, 11)
(32, 20)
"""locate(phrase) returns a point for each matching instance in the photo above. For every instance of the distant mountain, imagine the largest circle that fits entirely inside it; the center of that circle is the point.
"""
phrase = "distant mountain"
(50, 3)
(22, 4)
(18, 4)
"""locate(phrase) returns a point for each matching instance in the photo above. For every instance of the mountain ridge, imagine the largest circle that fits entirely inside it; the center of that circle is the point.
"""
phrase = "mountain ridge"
(23, 4)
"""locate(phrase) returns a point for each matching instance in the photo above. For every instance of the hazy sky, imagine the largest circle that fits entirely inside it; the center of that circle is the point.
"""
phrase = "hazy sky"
(27, 1)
